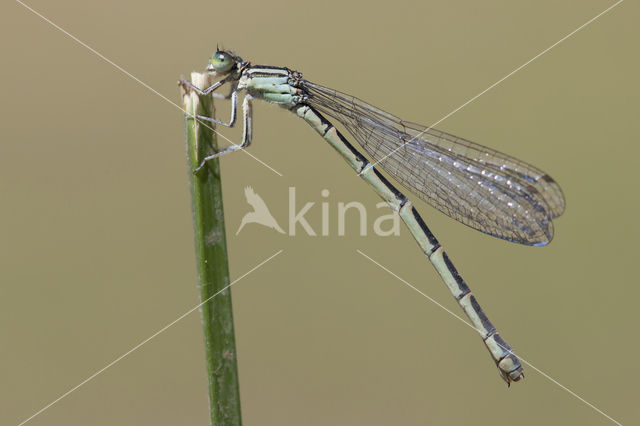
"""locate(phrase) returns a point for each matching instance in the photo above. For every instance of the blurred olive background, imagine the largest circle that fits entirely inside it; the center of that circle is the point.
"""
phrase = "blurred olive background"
(95, 221)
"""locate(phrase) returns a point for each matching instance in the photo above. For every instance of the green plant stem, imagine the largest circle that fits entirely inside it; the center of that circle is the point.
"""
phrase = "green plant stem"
(212, 259)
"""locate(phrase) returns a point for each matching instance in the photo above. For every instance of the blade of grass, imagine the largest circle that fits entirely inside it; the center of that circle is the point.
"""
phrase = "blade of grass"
(212, 259)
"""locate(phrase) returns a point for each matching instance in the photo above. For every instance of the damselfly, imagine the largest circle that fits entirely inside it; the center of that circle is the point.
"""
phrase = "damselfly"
(478, 186)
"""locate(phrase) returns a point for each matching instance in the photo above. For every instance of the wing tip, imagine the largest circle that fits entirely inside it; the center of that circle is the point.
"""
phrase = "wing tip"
(556, 202)
(538, 238)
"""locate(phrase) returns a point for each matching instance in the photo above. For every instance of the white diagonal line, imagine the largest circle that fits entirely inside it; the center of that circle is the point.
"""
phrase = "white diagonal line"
(471, 326)
(136, 347)
(142, 83)
(497, 82)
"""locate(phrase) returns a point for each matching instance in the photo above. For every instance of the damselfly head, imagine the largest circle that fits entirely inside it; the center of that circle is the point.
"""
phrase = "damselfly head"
(222, 62)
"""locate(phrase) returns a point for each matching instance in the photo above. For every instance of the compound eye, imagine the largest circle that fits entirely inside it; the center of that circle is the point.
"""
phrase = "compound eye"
(222, 62)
